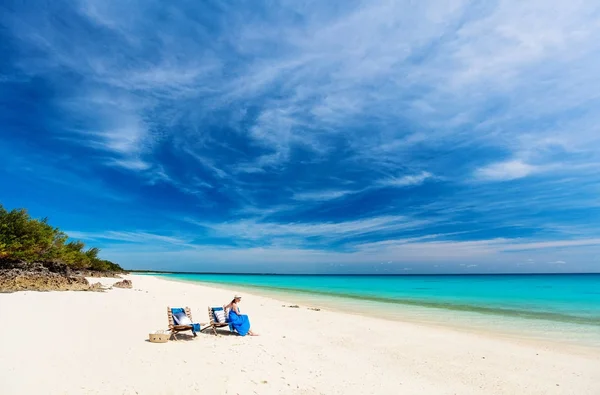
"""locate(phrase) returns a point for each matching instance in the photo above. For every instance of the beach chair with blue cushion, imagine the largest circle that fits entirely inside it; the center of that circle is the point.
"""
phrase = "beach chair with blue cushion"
(180, 320)
(218, 319)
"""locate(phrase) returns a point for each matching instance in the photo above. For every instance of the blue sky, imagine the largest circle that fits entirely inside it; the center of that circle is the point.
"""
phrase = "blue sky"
(308, 136)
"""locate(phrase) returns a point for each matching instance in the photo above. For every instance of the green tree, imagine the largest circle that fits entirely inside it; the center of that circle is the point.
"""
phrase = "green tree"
(23, 238)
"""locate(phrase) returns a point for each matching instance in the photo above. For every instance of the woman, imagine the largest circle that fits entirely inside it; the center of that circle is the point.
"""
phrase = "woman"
(240, 322)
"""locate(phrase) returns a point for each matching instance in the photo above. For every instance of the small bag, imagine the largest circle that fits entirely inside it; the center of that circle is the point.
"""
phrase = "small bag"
(159, 337)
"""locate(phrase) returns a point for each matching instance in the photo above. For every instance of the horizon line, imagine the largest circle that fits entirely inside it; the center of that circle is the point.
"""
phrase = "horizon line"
(363, 274)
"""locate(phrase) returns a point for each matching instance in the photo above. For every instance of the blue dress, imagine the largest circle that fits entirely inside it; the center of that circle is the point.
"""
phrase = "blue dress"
(240, 322)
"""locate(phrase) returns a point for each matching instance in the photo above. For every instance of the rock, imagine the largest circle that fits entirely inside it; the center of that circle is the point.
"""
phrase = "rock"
(43, 276)
(58, 267)
(18, 280)
(97, 287)
(52, 267)
(123, 284)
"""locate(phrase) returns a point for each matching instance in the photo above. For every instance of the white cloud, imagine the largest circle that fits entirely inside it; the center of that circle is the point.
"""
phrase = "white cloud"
(408, 180)
(115, 126)
(551, 244)
(127, 236)
(505, 171)
(322, 195)
(131, 164)
(420, 249)
(253, 230)
(206, 162)
(468, 254)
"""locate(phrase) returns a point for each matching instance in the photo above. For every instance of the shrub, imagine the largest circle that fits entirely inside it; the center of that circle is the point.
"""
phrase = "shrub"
(23, 238)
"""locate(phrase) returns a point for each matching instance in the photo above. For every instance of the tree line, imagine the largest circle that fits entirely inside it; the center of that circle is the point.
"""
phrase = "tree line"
(23, 238)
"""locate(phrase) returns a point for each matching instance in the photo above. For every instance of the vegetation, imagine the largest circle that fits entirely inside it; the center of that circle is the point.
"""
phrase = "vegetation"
(23, 238)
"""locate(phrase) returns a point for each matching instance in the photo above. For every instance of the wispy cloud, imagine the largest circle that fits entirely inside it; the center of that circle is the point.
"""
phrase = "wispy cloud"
(408, 180)
(112, 124)
(551, 244)
(322, 195)
(129, 237)
(300, 232)
(505, 171)
(307, 128)
(484, 255)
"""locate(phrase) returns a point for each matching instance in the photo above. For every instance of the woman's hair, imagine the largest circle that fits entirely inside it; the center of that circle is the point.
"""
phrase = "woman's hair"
(233, 301)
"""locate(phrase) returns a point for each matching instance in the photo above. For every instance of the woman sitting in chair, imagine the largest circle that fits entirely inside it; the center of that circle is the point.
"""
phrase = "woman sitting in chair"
(240, 322)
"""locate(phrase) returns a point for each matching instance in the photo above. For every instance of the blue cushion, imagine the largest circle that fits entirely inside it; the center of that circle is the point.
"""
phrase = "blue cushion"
(215, 318)
(179, 317)
(213, 309)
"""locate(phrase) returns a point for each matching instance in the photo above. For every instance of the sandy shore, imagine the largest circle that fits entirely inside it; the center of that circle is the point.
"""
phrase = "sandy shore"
(95, 343)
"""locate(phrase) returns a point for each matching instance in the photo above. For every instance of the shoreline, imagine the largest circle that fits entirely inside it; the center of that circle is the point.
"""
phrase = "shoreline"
(422, 314)
(299, 351)
(532, 315)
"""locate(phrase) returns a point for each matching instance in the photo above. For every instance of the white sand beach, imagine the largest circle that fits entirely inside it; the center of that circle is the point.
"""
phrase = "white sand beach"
(96, 343)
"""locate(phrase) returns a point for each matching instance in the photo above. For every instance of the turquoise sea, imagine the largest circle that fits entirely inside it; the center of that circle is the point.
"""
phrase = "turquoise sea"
(562, 306)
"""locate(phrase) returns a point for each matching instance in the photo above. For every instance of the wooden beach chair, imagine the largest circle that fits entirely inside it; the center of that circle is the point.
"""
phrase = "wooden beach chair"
(174, 329)
(214, 324)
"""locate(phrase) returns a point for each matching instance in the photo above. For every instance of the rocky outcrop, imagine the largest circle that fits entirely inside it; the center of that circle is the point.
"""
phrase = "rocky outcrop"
(17, 280)
(123, 284)
(98, 287)
(37, 276)
(47, 267)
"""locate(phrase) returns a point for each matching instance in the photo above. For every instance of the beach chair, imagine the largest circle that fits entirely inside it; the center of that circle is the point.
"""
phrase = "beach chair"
(214, 323)
(175, 328)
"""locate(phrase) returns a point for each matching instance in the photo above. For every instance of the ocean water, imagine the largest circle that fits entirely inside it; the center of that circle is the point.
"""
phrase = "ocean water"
(561, 306)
